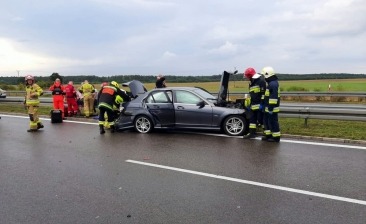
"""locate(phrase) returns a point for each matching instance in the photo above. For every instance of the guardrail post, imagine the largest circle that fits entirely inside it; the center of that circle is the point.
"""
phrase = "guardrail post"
(307, 110)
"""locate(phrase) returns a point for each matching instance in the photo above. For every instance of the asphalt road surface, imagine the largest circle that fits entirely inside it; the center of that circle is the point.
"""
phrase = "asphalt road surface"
(68, 173)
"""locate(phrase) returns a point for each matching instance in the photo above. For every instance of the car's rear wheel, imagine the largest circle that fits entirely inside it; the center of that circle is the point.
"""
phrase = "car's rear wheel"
(143, 124)
(234, 125)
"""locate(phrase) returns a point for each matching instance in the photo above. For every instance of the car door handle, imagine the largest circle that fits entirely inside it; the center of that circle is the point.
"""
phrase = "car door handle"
(180, 107)
(156, 106)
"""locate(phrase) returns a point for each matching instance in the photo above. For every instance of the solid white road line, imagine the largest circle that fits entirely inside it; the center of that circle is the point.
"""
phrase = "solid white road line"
(315, 194)
(292, 141)
(48, 119)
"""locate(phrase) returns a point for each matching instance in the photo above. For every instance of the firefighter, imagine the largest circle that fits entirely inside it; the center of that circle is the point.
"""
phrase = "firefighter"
(87, 90)
(272, 106)
(257, 87)
(106, 99)
(70, 94)
(33, 91)
(106, 124)
(58, 96)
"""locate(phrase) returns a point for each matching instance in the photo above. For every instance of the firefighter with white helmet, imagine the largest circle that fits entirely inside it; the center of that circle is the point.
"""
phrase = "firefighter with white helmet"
(272, 106)
(106, 99)
(257, 87)
(33, 92)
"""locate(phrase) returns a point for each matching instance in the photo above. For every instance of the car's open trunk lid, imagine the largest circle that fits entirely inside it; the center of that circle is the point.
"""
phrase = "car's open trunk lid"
(136, 87)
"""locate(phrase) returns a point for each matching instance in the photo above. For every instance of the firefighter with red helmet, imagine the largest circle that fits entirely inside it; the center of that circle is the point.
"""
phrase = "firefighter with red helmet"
(58, 93)
(257, 87)
(272, 106)
(70, 94)
(33, 92)
(106, 99)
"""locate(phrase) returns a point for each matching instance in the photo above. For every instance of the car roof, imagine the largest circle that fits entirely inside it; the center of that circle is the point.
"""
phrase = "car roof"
(177, 88)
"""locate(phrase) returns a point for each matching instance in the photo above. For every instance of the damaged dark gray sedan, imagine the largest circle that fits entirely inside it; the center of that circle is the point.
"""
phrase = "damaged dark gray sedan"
(179, 108)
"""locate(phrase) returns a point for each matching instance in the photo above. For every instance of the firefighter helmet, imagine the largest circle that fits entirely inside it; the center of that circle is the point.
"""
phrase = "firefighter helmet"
(115, 84)
(268, 72)
(29, 77)
(249, 72)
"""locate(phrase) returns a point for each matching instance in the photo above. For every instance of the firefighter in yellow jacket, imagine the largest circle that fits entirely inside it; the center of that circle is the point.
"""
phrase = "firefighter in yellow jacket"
(33, 92)
(87, 90)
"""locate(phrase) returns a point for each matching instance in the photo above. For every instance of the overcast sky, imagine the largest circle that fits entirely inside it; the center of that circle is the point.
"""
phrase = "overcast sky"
(181, 37)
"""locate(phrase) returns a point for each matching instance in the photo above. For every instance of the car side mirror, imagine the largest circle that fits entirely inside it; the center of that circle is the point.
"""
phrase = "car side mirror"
(201, 104)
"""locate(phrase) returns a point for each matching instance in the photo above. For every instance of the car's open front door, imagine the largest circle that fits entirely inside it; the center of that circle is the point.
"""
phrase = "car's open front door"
(160, 105)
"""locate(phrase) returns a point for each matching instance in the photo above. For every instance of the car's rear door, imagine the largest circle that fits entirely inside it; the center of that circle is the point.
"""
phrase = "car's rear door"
(188, 113)
(160, 105)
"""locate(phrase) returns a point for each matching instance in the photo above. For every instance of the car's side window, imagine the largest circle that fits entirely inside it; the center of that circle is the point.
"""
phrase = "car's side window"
(150, 99)
(159, 97)
(186, 97)
(170, 95)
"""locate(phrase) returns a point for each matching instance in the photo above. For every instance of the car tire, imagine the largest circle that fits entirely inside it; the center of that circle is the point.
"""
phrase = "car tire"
(143, 124)
(234, 125)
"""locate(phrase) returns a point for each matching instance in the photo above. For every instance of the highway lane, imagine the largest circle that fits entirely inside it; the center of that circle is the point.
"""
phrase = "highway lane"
(68, 173)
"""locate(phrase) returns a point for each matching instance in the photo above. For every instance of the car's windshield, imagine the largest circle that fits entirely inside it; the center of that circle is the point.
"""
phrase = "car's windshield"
(204, 94)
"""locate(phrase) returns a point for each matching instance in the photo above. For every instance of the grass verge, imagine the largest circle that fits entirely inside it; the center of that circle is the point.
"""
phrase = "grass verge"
(354, 130)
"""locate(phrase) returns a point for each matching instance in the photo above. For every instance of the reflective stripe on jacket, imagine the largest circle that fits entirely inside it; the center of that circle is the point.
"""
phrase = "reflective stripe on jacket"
(257, 89)
(32, 94)
(87, 89)
(272, 95)
(108, 94)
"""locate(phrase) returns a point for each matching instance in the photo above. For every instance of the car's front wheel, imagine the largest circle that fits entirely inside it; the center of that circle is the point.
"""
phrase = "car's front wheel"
(143, 124)
(234, 125)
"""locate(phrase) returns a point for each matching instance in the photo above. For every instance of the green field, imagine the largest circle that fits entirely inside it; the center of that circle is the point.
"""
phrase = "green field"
(338, 85)
(342, 85)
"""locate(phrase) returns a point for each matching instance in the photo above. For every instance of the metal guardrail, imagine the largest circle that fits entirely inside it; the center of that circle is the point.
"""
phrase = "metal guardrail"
(313, 94)
(349, 112)
(346, 112)
(298, 94)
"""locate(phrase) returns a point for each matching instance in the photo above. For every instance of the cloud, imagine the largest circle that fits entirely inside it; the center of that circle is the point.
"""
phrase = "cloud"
(168, 55)
(142, 36)
(226, 49)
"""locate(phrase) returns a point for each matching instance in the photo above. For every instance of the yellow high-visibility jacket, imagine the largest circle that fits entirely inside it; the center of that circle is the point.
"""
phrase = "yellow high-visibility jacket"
(33, 92)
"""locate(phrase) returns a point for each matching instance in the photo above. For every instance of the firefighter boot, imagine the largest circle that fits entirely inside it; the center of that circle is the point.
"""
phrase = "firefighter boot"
(274, 139)
(40, 125)
(266, 137)
(112, 128)
(101, 129)
(252, 134)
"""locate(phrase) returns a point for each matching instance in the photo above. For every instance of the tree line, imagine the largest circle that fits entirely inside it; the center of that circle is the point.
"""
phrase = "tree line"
(46, 81)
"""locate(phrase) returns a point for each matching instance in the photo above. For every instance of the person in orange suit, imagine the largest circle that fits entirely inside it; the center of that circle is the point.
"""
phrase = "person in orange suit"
(58, 95)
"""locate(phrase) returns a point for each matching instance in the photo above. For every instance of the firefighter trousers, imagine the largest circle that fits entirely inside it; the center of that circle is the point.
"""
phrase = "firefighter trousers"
(88, 104)
(271, 125)
(110, 116)
(33, 117)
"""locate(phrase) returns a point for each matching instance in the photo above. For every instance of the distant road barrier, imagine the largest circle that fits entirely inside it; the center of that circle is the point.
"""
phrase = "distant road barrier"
(306, 111)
